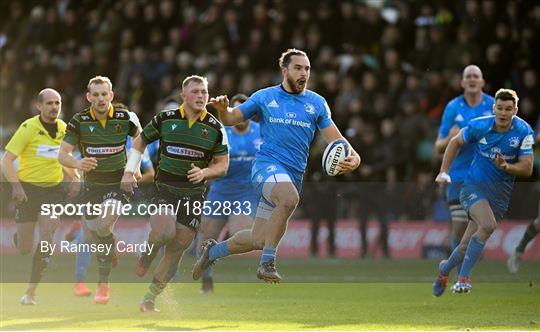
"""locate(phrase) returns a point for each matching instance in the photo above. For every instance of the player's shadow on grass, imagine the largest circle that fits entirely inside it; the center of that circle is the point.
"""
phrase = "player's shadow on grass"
(157, 327)
(72, 323)
(39, 325)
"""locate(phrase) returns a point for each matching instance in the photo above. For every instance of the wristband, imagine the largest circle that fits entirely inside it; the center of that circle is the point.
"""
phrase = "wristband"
(134, 157)
(445, 177)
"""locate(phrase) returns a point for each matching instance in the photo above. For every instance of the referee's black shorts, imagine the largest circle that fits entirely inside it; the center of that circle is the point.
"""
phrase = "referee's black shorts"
(30, 210)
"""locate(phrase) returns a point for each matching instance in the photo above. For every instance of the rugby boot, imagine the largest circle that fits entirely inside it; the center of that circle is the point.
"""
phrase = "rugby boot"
(102, 294)
(439, 286)
(28, 300)
(203, 262)
(462, 286)
(267, 272)
(148, 306)
(81, 289)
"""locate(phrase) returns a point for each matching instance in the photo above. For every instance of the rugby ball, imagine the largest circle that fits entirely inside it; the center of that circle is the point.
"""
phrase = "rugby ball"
(335, 152)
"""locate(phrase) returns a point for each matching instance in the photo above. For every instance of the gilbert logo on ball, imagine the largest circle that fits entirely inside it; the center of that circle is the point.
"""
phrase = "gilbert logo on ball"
(335, 152)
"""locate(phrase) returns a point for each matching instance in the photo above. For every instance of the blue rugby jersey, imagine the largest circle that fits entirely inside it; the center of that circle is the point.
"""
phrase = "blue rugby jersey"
(518, 141)
(288, 123)
(242, 150)
(459, 113)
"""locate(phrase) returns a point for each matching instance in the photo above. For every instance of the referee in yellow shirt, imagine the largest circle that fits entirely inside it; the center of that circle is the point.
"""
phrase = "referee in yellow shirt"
(39, 180)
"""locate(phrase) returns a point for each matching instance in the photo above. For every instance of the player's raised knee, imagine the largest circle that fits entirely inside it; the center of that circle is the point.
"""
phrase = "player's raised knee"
(289, 203)
(162, 237)
(488, 228)
(287, 199)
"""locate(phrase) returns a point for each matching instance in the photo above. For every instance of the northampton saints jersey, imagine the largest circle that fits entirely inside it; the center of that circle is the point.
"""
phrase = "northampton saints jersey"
(183, 143)
(103, 139)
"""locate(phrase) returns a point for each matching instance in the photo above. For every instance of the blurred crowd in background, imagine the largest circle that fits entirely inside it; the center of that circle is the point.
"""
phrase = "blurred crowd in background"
(386, 68)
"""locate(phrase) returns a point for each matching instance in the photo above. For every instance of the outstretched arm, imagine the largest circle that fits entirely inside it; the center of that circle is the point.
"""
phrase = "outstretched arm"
(65, 158)
(450, 154)
(129, 181)
(229, 116)
(442, 142)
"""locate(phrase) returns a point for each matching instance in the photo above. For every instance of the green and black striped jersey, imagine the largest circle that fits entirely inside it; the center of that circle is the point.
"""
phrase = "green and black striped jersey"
(103, 139)
(183, 143)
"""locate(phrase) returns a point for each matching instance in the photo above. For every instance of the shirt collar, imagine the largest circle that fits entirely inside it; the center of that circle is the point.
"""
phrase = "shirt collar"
(303, 93)
(183, 115)
(110, 114)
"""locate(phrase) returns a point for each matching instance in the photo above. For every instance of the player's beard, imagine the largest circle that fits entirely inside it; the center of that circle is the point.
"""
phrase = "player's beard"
(295, 87)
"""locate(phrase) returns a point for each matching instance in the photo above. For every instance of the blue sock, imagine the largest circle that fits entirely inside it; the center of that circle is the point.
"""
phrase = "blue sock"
(82, 259)
(455, 243)
(268, 254)
(220, 250)
(472, 255)
(452, 261)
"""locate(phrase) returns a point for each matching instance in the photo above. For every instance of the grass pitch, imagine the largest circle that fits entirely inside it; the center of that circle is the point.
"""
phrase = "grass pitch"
(341, 295)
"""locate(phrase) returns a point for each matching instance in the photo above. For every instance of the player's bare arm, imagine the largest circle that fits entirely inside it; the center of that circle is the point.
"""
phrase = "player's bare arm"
(217, 168)
(331, 133)
(449, 156)
(229, 116)
(147, 176)
(523, 168)
(137, 133)
(138, 174)
(65, 158)
(11, 175)
(129, 179)
(442, 142)
(72, 176)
